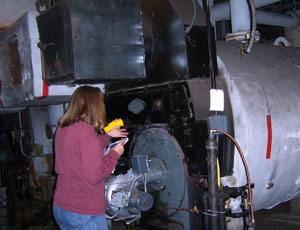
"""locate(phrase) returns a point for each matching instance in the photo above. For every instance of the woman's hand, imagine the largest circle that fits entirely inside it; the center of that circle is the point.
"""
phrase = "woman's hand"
(118, 132)
(119, 148)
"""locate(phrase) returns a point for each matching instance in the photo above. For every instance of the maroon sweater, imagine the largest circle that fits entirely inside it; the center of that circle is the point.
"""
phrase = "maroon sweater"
(82, 169)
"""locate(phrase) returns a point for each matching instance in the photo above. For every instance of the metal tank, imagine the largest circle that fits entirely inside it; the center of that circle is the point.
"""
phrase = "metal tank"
(263, 88)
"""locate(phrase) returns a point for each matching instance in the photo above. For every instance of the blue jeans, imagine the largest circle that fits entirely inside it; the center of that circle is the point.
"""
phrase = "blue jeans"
(73, 221)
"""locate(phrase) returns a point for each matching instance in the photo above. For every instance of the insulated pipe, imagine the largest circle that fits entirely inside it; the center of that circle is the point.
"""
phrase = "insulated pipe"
(275, 19)
(240, 16)
(221, 11)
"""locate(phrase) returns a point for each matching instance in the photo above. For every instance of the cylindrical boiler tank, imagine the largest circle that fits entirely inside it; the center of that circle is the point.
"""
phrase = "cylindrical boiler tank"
(264, 91)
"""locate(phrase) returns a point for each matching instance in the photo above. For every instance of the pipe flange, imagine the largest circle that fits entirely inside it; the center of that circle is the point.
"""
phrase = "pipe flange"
(242, 36)
(282, 41)
(296, 16)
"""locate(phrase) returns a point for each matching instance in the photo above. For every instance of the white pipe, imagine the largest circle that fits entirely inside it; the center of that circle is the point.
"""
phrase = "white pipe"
(240, 15)
(275, 19)
(282, 41)
(221, 11)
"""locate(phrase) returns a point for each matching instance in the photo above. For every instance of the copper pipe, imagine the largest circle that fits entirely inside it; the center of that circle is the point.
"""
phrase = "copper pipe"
(245, 166)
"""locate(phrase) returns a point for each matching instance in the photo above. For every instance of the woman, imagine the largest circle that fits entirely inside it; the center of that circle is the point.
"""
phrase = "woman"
(80, 164)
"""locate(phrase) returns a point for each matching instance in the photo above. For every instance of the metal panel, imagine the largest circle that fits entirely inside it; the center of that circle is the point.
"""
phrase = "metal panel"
(164, 40)
(15, 62)
(55, 44)
(92, 41)
(170, 53)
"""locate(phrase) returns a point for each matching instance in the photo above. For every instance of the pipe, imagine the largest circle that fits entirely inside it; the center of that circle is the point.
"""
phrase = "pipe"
(204, 211)
(245, 166)
(276, 19)
(282, 41)
(240, 16)
(211, 147)
(222, 213)
(243, 22)
(221, 11)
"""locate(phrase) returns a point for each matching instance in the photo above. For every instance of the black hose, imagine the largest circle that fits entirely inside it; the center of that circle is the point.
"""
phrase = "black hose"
(204, 210)
(222, 213)
(211, 147)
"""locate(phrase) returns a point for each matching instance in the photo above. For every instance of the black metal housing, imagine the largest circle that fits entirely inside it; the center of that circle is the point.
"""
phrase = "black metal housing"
(176, 106)
(92, 41)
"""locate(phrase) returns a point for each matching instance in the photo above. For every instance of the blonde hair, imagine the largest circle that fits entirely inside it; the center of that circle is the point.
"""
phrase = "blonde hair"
(87, 104)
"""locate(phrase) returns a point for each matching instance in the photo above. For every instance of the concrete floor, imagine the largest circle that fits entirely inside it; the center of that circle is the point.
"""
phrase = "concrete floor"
(277, 218)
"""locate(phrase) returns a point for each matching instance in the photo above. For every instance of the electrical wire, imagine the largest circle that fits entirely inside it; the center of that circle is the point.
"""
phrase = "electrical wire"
(245, 166)
(145, 182)
(113, 216)
(32, 168)
(218, 172)
(253, 25)
(20, 138)
(131, 187)
(188, 29)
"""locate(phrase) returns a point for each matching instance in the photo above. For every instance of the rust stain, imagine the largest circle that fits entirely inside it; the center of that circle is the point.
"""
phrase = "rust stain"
(38, 150)
(48, 160)
(270, 185)
(74, 22)
(14, 62)
(228, 221)
(228, 202)
(33, 173)
(57, 64)
(232, 180)
(48, 131)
